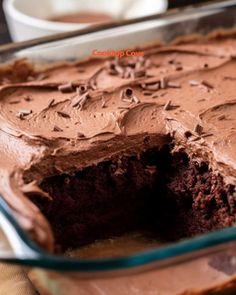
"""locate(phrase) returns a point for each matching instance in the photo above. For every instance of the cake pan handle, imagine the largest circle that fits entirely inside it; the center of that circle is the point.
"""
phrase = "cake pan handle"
(14, 242)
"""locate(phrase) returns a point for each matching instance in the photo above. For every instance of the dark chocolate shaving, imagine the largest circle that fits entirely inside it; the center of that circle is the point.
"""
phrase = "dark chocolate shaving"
(103, 103)
(229, 78)
(128, 68)
(221, 117)
(163, 83)
(171, 61)
(128, 92)
(153, 87)
(167, 106)
(127, 95)
(187, 134)
(23, 113)
(198, 129)
(194, 83)
(76, 104)
(143, 86)
(92, 83)
(63, 114)
(51, 103)
(139, 73)
(14, 102)
(147, 63)
(66, 88)
(81, 101)
(123, 108)
(80, 135)
(82, 89)
(135, 99)
(128, 72)
(207, 135)
(111, 68)
(163, 94)
(178, 68)
(119, 70)
(28, 98)
(173, 85)
(196, 138)
(57, 129)
(207, 84)
(147, 93)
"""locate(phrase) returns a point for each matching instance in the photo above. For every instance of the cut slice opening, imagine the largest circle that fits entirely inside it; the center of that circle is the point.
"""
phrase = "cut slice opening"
(165, 194)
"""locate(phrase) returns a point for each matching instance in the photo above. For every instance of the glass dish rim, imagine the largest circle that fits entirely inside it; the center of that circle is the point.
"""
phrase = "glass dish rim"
(49, 261)
(198, 7)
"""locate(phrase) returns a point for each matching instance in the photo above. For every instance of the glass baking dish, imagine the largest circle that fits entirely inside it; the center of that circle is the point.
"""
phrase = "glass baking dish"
(179, 268)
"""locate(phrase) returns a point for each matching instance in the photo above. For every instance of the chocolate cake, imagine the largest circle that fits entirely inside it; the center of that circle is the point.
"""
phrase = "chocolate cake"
(94, 149)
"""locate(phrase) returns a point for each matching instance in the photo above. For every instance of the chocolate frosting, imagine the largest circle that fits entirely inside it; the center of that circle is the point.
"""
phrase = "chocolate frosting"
(76, 115)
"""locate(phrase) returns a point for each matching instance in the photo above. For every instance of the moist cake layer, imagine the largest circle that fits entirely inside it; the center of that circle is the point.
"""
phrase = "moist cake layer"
(74, 116)
(168, 195)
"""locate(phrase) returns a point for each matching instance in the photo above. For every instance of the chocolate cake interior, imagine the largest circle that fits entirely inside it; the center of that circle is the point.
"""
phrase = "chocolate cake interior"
(165, 193)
